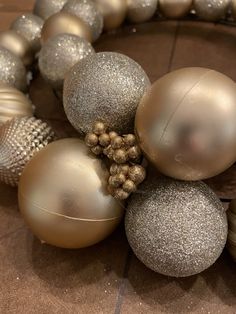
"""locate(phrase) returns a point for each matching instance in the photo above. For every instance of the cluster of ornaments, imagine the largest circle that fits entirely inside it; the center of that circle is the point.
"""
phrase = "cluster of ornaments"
(71, 191)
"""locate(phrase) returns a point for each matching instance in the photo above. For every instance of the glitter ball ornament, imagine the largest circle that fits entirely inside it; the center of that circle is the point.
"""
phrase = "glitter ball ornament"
(107, 86)
(175, 9)
(29, 26)
(211, 10)
(87, 11)
(12, 69)
(59, 54)
(141, 10)
(176, 228)
(231, 244)
(46, 8)
(20, 140)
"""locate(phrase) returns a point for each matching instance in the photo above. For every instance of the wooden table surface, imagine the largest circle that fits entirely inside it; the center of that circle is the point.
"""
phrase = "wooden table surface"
(107, 278)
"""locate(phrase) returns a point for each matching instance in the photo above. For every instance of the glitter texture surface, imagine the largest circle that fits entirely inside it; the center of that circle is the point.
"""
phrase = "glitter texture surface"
(59, 54)
(12, 69)
(88, 12)
(176, 228)
(211, 10)
(141, 10)
(46, 8)
(106, 87)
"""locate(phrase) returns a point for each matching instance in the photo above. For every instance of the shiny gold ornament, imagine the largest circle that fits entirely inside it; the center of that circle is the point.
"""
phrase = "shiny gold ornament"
(46, 8)
(63, 196)
(211, 10)
(175, 9)
(18, 45)
(13, 103)
(20, 140)
(231, 244)
(140, 11)
(186, 123)
(113, 11)
(65, 23)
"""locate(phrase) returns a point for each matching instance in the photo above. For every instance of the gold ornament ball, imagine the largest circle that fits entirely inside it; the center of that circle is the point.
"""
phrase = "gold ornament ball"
(231, 243)
(91, 140)
(46, 8)
(18, 45)
(63, 196)
(186, 123)
(211, 10)
(65, 23)
(113, 11)
(140, 11)
(175, 9)
(13, 103)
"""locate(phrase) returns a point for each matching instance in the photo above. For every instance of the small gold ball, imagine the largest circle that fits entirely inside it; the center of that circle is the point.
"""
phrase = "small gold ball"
(91, 140)
(114, 169)
(104, 140)
(120, 156)
(130, 140)
(108, 151)
(134, 153)
(116, 180)
(117, 142)
(129, 186)
(112, 134)
(120, 194)
(99, 128)
(123, 169)
(137, 174)
(97, 150)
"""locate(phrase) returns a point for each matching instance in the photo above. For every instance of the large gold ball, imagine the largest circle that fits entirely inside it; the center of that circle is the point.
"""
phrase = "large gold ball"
(18, 45)
(175, 9)
(13, 103)
(211, 10)
(140, 11)
(64, 199)
(113, 11)
(186, 123)
(46, 8)
(65, 23)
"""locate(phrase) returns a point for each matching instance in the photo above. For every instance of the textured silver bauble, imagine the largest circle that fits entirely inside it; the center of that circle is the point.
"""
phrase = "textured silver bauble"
(12, 69)
(46, 8)
(59, 54)
(141, 10)
(105, 87)
(176, 228)
(211, 10)
(88, 11)
(29, 26)
(20, 140)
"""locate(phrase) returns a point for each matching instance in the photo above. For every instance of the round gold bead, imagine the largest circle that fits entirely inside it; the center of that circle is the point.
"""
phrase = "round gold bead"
(137, 174)
(108, 151)
(91, 140)
(120, 156)
(129, 186)
(120, 194)
(99, 128)
(114, 169)
(112, 134)
(123, 169)
(104, 140)
(116, 180)
(134, 153)
(130, 140)
(117, 142)
(97, 150)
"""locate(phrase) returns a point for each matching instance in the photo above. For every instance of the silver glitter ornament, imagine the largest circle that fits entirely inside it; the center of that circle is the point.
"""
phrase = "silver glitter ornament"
(106, 87)
(141, 10)
(46, 8)
(59, 54)
(88, 12)
(211, 10)
(29, 26)
(176, 228)
(12, 69)
(20, 140)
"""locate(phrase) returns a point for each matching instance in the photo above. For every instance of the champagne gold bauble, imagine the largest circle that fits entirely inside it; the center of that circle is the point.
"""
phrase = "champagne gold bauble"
(29, 26)
(211, 10)
(186, 123)
(59, 54)
(88, 12)
(175, 9)
(140, 11)
(12, 69)
(176, 228)
(65, 23)
(113, 11)
(13, 103)
(20, 140)
(64, 199)
(18, 45)
(46, 8)
(231, 244)
(107, 87)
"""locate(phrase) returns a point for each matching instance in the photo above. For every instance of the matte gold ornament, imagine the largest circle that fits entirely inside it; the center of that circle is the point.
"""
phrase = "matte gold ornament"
(63, 196)
(88, 12)
(59, 54)
(46, 8)
(141, 10)
(113, 11)
(65, 23)
(12, 71)
(13, 103)
(186, 123)
(29, 26)
(211, 10)
(20, 140)
(18, 45)
(175, 9)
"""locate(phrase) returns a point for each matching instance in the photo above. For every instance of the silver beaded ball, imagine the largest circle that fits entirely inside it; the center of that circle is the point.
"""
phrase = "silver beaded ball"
(176, 228)
(88, 12)
(12, 70)
(59, 54)
(140, 11)
(46, 8)
(211, 10)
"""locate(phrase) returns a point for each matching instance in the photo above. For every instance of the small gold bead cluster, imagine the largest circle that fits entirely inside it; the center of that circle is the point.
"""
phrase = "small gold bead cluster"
(126, 173)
